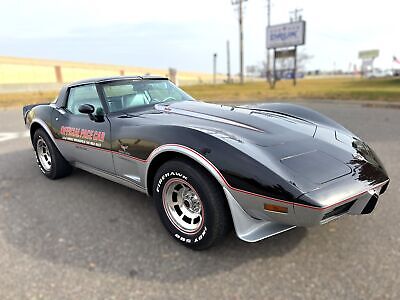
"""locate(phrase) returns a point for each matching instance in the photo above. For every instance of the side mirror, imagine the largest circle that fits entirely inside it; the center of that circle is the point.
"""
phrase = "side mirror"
(89, 110)
(86, 109)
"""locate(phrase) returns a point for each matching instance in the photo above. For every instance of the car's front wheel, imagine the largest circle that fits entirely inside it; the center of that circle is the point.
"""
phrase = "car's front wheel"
(191, 205)
(49, 159)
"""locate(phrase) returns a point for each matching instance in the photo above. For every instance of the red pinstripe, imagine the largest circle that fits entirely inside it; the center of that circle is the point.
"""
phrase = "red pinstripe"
(222, 177)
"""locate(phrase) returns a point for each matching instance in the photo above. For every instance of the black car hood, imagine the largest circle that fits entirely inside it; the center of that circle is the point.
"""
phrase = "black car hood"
(258, 127)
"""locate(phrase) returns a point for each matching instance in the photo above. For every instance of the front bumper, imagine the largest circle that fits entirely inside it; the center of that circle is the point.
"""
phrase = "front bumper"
(362, 202)
(253, 223)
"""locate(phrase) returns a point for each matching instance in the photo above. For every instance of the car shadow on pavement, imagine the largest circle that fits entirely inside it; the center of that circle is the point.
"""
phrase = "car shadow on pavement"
(89, 222)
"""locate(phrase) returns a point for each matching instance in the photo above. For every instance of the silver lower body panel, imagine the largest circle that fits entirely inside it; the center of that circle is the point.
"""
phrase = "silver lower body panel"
(250, 229)
(118, 179)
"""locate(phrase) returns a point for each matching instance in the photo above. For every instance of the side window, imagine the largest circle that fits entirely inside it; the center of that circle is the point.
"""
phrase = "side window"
(85, 94)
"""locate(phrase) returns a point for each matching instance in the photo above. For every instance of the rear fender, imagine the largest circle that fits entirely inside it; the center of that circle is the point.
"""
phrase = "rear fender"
(37, 122)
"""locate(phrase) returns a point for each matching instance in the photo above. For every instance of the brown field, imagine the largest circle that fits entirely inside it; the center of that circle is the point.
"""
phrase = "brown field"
(343, 89)
(20, 99)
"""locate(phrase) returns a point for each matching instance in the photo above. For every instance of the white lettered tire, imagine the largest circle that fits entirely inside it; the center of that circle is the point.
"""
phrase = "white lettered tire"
(191, 205)
(49, 159)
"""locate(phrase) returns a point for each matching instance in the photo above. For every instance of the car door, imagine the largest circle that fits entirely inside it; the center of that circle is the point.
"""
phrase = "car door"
(129, 150)
(85, 140)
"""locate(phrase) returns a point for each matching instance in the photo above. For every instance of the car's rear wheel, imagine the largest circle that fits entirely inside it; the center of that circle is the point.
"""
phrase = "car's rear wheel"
(50, 161)
(191, 205)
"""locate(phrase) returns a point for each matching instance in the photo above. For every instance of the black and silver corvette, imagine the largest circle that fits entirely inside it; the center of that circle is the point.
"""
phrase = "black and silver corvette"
(265, 169)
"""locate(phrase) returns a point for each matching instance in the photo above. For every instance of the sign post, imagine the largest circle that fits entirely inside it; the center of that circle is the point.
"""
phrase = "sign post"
(274, 71)
(281, 38)
(367, 57)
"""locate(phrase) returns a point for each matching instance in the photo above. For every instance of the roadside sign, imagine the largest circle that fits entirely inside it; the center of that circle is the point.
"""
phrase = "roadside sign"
(367, 57)
(285, 53)
(368, 54)
(286, 35)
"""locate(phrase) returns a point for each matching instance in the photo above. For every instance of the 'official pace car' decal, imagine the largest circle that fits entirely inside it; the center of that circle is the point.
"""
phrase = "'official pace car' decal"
(83, 136)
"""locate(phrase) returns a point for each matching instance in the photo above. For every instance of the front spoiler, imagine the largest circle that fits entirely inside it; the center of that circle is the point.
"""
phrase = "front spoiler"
(253, 228)
(336, 202)
(250, 229)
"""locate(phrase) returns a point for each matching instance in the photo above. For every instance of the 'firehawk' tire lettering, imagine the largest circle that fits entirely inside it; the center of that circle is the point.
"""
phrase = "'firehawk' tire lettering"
(169, 174)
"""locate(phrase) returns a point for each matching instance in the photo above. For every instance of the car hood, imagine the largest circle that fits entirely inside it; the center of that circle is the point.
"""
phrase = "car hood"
(257, 127)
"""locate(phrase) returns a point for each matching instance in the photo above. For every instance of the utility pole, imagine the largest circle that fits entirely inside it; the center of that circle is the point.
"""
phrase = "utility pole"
(228, 62)
(296, 15)
(215, 68)
(240, 3)
(241, 40)
(268, 24)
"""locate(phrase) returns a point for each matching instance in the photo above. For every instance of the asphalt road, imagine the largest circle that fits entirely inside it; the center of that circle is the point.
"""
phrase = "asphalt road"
(84, 237)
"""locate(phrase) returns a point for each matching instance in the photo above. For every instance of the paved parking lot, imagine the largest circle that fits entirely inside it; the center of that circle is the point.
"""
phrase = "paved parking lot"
(83, 237)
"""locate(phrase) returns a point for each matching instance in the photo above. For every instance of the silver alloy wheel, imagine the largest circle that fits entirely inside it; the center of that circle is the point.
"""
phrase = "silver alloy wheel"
(43, 154)
(183, 206)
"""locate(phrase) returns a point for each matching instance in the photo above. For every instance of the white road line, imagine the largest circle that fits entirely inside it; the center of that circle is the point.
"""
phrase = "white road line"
(7, 136)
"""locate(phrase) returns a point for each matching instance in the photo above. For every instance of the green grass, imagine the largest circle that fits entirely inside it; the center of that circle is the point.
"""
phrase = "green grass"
(343, 89)
(340, 88)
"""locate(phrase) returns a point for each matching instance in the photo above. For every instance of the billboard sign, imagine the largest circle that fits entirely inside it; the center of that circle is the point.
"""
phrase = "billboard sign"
(368, 54)
(286, 35)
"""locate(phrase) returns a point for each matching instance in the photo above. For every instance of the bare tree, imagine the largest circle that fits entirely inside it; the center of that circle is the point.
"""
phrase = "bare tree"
(286, 64)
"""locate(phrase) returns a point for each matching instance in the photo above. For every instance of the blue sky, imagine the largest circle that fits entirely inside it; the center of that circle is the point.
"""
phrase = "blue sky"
(185, 33)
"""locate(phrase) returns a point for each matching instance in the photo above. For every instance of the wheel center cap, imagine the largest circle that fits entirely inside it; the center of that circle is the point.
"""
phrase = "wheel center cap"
(191, 202)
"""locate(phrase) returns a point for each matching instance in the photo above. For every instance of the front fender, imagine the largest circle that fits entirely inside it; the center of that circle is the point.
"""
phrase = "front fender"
(301, 112)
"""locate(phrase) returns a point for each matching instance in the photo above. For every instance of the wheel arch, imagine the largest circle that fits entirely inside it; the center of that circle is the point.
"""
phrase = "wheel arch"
(170, 152)
(39, 124)
(34, 126)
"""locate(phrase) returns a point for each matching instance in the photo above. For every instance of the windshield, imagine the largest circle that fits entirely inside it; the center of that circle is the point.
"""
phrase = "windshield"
(124, 95)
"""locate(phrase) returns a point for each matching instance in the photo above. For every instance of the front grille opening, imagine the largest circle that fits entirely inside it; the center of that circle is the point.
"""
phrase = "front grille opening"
(384, 188)
(370, 205)
(339, 210)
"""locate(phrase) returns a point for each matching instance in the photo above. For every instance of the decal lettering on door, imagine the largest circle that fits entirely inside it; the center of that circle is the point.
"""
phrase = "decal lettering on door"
(83, 136)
